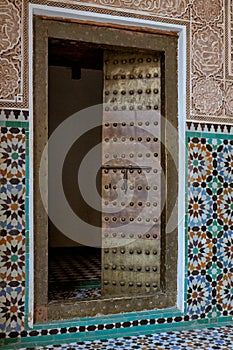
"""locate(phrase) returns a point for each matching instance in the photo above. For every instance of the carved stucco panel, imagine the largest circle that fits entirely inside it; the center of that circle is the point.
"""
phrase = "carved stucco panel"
(10, 49)
(207, 96)
(9, 78)
(229, 100)
(207, 50)
(173, 8)
(207, 10)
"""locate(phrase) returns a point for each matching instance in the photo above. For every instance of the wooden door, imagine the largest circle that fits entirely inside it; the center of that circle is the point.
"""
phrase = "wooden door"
(131, 174)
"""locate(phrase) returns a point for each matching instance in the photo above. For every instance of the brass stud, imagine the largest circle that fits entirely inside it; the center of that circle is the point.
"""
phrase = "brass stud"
(155, 285)
(130, 284)
(155, 252)
(131, 219)
(148, 107)
(106, 283)
(123, 139)
(115, 125)
(131, 123)
(115, 62)
(130, 268)
(155, 139)
(123, 92)
(140, 60)
(155, 188)
(148, 91)
(131, 156)
(156, 75)
(139, 155)
(131, 108)
(148, 75)
(131, 60)
(140, 76)
(155, 235)
(147, 285)
(139, 251)
(123, 76)
(139, 284)
(106, 187)
(131, 204)
(107, 77)
(122, 251)
(139, 91)
(139, 235)
(114, 283)
(106, 109)
(147, 268)
(122, 267)
(147, 188)
(123, 108)
(131, 251)
(131, 92)
(140, 204)
(139, 219)
(154, 268)
(106, 218)
(148, 155)
(156, 107)
(147, 252)
(156, 59)
(123, 219)
(140, 123)
(147, 235)
(148, 139)
(106, 124)
(124, 61)
(156, 123)
(114, 267)
(139, 188)
(148, 59)
(156, 154)
(115, 92)
(123, 234)
(114, 218)
(139, 139)
(114, 234)
(139, 107)
(114, 187)
(114, 250)
(131, 76)
(122, 283)
(155, 91)
(139, 268)
(106, 250)
(106, 267)
(115, 77)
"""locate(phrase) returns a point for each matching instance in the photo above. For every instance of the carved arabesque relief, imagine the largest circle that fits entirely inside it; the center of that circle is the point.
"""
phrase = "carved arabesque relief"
(10, 49)
(207, 96)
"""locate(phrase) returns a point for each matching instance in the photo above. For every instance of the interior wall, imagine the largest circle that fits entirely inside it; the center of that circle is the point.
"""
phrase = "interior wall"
(66, 97)
(208, 243)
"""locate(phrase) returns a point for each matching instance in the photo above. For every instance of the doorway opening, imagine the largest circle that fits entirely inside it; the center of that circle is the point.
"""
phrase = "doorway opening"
(75, 83)
(135, 77)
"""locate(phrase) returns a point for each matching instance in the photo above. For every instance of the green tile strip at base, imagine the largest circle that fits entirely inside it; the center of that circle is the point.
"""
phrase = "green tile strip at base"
(13, 344)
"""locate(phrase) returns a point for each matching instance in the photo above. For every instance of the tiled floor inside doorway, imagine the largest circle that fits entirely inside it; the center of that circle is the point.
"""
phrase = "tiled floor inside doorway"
(74, 273)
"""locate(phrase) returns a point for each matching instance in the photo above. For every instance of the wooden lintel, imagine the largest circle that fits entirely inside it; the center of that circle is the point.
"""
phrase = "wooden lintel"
(113, 25)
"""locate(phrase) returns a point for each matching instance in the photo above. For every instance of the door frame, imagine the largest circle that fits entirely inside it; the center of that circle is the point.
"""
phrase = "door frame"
(42, 310)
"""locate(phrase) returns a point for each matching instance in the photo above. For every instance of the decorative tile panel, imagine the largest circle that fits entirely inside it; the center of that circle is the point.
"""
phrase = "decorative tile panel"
(210, 225)
(12, 226)
(207, 11)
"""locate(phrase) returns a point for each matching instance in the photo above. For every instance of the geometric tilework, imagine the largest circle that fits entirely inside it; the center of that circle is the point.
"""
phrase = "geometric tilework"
(210, 226)
(213, 338)
(12, 225)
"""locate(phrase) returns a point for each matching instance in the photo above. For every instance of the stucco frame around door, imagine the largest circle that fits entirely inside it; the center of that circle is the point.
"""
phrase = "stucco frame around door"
(41, 98)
